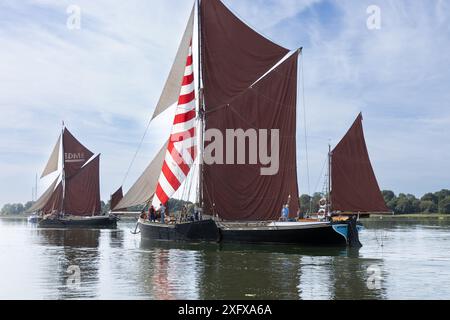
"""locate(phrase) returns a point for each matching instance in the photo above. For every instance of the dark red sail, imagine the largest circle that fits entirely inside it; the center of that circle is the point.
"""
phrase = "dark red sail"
(82, 197)
(54, 203)
(240, 192)
(354, 185)
(234, 56)
(115, 199)
(75, 154)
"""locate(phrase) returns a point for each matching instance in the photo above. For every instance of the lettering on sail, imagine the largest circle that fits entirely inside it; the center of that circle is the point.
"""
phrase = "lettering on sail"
(74, 157)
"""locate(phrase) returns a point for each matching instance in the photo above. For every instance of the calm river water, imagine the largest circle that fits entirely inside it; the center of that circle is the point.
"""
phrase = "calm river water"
(399, 260)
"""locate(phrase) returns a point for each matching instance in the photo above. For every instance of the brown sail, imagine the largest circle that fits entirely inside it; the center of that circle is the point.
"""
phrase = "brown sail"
(233, 55)
(75, 154)
(239, 191)
(354, 185)
(116, 197)
(82, 191)
(54, 203)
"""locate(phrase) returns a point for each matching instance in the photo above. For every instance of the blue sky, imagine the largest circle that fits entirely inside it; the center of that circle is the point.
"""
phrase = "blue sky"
(105, 79)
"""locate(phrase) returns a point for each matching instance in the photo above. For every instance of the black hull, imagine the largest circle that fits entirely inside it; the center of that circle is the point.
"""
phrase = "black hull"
(106, 222)
(208, 231)
(324, 236)
(195, 231)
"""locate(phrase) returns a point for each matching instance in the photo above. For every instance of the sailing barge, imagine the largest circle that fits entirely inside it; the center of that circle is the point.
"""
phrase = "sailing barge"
(73, 199)
(247, 82)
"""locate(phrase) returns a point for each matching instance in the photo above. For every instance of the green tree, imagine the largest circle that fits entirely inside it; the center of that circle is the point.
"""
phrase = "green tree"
(428, 206)
(28, 205)
(444, 205)
(442, 194)
(415, 206)
(403, 205)
(12, 209)
(305, 201)
(392, 204)
(430, 197)
(388, 195)
(6, 209)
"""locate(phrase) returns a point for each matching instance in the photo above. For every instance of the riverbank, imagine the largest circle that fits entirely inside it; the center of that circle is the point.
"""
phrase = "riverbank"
(126, 217)
(14, 217)
(414, 216)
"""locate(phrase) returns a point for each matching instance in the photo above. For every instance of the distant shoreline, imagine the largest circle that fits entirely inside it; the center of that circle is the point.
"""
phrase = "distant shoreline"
(128, 217)
(431, 216)
(434, 216)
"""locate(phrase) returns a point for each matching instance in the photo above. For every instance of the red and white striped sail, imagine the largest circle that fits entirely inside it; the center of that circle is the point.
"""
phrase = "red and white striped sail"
(181, 150)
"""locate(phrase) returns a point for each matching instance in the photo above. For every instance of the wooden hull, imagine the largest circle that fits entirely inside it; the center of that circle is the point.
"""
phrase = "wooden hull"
(99, 222)
(208, 230)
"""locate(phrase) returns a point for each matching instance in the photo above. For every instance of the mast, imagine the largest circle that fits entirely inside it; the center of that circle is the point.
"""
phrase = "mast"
(201, 113)
(63, 173)
(329, 179)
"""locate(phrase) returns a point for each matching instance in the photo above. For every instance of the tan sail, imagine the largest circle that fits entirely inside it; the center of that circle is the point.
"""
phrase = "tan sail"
(42, 201)
(171, 90)
(144, 188)
(52, 164)
(54, 204)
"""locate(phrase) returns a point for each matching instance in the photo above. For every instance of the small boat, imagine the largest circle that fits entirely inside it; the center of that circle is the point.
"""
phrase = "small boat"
(73, 199)
(249, 85)
(34, 218)
(100, 222)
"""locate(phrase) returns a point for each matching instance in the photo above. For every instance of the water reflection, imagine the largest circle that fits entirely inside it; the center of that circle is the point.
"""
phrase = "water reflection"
(73, 250)
(170, 272)
(236, 271)
(400, 256)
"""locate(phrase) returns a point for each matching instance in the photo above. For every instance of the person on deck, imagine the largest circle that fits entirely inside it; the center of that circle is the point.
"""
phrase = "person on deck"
(299, 215)
(152, 214)
(184, 212)
(162, 209)
(285, 213)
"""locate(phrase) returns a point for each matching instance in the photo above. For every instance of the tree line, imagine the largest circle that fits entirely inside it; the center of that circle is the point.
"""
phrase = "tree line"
(437, 202)
(9, 209)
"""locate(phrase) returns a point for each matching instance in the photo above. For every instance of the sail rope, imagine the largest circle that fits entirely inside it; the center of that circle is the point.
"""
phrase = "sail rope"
(305, 127)
(321, 175)
(254, 88)
(136, 153)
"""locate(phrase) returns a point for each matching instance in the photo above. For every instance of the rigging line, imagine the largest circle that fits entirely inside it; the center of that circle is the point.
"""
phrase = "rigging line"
(320, 175)
(253, 89)
(232, 108)
(137, 152)
(305, 126)
(194, 172)
(273, 70)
